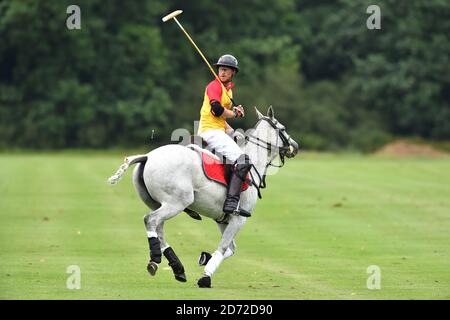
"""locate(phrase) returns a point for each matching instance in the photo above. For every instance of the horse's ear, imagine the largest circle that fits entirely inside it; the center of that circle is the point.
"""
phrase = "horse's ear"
(270, 113)
(259, 114)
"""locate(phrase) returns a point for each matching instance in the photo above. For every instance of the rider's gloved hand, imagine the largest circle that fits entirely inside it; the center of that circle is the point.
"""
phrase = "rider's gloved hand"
(238, 111)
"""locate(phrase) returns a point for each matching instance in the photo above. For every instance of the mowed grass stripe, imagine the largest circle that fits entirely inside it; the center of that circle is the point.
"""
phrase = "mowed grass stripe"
(101, 229)
(29, 225)
(63, 204)
(322, 221)
(362, 234)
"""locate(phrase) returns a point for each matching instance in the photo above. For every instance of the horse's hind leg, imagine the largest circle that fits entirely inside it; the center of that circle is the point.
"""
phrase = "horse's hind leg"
(152, 220)
(174, 261)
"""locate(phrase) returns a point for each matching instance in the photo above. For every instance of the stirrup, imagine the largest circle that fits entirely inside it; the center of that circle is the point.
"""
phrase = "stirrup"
(242, 212)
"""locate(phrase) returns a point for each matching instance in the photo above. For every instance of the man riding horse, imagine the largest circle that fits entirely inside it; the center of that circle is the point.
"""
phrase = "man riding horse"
(170, 179)
(218, 106)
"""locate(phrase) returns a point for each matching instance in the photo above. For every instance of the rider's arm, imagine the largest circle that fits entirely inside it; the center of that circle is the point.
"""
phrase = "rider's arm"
(227, 114)
(228, 130)
(214, 92)
(219, 111)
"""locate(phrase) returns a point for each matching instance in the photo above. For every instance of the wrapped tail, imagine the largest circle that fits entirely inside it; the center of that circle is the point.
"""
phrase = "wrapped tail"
(130, 160)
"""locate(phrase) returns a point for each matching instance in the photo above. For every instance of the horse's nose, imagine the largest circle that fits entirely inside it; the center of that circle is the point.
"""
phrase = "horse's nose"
(293, 148)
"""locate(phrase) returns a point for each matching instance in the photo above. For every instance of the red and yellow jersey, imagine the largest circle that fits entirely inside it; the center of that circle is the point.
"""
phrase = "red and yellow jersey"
(214, 91)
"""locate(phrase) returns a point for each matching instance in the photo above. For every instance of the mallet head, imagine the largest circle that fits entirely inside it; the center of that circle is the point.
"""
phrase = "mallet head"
(172, 15)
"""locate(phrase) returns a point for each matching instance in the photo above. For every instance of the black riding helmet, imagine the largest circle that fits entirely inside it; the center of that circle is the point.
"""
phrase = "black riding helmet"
(227, 60)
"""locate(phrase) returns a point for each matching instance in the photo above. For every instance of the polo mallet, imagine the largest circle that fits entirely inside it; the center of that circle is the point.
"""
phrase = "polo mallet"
(173, 16)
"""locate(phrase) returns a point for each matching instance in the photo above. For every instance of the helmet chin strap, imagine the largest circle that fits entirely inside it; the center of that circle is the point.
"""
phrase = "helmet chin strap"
(223, 85)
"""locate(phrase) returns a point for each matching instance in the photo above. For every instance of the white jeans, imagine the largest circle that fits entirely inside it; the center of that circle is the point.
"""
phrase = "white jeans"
(223, 143)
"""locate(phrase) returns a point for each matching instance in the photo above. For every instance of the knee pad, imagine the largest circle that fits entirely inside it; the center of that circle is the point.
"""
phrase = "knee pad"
(243, 166)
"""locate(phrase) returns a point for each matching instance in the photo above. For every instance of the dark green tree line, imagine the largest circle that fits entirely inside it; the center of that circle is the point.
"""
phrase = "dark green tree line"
(334, 83)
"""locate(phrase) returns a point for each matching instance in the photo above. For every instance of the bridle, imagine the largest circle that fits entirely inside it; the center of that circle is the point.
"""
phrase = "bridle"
(269, 146)
(282, 134)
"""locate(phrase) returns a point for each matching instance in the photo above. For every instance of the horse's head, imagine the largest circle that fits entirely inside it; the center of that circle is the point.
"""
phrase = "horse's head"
(277, 137)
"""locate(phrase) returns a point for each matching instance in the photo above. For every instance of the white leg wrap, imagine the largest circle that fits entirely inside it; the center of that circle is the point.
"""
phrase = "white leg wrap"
(213, 263)
(152, 234)
(228, 253)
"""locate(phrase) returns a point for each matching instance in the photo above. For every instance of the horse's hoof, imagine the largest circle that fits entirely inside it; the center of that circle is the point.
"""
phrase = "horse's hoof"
(204, 282)
(152, 267)
(204, 258)
(181, 277)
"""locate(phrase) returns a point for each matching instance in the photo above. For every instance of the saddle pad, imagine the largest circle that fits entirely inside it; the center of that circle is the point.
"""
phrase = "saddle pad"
(214, 170)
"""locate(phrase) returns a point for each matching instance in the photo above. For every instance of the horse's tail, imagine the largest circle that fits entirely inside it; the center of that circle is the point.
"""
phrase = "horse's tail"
(130, 160)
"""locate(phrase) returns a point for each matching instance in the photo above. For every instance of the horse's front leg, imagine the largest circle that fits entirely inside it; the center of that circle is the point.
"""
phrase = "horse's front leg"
(231, 250)
(235, 224)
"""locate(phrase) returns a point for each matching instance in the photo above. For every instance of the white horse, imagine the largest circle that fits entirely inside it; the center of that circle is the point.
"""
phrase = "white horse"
(170, 179)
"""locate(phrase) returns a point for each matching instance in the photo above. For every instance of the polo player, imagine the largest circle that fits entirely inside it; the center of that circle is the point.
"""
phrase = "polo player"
(217, 107)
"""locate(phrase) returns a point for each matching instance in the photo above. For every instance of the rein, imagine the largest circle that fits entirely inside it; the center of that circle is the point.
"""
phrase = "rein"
(268, 146)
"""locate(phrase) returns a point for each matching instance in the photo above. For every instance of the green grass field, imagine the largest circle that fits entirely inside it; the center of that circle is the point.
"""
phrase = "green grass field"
(323, 220)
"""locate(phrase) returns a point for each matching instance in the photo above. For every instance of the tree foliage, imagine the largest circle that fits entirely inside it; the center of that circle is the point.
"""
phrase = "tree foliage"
(333, 83)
